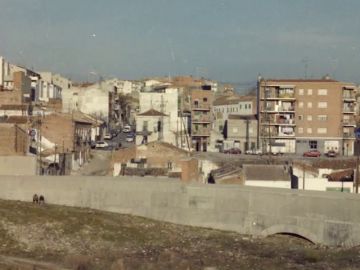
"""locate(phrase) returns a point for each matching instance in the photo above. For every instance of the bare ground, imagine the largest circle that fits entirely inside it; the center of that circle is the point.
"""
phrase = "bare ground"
(53, 237)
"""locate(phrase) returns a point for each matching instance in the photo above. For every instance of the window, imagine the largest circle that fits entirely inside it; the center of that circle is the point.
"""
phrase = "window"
(249, 106)
(313, 144)
(196, 103)
(300, 117)
(300, 130)
(322, 92)
(309, 130)
(322, 118)
(245, 106)
(309, 92)
(301, 92)
(322, 130)
(205, 99)
(301, 104)
(309, 105)
(322, 104)
(309, 118)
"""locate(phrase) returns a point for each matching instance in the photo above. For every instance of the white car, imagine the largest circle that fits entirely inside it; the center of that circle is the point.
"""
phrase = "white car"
(129, 138)
(107, 137)
(253, 152)
(127, 129)
(101, 144)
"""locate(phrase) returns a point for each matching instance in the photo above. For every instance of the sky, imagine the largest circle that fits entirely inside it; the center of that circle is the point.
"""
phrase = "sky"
(225, 40)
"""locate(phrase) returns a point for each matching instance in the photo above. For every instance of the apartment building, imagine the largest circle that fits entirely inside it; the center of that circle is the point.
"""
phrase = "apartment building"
(201, 118)
(299, 115)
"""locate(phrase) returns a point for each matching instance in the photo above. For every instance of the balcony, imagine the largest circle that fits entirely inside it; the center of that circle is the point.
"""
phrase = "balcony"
(349, 123)
(200, 133)
(278, 122)
(278, 134)
(279, 96)
(201, 107)
(201, 119)
(348, 136)
(277, 109)
(349, 97)
(349, 109)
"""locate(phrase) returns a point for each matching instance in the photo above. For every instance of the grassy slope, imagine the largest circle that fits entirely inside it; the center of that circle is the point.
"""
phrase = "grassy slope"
(72, 236)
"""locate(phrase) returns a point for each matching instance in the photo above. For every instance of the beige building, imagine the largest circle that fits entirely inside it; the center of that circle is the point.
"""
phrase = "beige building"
(299, 115)
(241, 132)
(201, 118)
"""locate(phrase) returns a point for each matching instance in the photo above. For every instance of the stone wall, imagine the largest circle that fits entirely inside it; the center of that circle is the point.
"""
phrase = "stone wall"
(322, 217)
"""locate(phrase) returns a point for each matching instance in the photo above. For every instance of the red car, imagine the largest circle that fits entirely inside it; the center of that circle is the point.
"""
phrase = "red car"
(312, 153)
(234, 151)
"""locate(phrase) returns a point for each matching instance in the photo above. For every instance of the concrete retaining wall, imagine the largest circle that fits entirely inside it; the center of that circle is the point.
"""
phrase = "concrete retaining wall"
(323, 217)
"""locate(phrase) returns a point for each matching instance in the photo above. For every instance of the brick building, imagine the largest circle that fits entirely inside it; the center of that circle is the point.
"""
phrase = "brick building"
(298, 115)
(14, 140)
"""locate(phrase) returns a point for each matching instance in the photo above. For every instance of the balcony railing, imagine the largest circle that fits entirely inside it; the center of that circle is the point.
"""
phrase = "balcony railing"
(349, 123)
(348, 110)
(350, 97)
(204, 107)
(203, 118)
(349, 135)
(278, 122)
(201, 132)
(279, 96)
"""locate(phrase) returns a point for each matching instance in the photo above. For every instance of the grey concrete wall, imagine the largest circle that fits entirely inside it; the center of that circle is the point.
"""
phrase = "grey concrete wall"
(17, 165)
(322, 217)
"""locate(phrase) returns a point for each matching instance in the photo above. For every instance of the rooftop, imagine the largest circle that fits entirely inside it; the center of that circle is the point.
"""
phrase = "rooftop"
(266, 173)
(152, 112)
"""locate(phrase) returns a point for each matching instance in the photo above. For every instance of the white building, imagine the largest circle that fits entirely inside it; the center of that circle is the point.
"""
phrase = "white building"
(324, 179)
(153, 125)
(234, 105)
(92, 100)
(165, 100)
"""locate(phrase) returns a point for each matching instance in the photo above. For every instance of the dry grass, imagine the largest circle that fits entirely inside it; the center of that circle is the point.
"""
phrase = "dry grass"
(75, 238)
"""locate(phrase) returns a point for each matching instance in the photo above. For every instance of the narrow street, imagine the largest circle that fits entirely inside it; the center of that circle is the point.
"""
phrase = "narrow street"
(98, 166)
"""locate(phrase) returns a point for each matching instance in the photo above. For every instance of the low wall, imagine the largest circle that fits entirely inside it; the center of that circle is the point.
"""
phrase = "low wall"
(323, 217)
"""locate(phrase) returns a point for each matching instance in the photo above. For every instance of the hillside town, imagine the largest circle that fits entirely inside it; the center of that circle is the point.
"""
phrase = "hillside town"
(284, 132)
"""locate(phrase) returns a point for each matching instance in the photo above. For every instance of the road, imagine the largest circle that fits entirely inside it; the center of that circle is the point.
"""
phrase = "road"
(99, 164)
(229, 158)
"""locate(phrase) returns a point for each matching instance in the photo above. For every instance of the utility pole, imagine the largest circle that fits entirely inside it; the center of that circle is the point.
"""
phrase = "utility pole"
(303, 167)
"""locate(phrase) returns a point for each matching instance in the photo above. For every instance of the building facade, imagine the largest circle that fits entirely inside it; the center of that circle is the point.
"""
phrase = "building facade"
(201, 118)
(300, 115)
(241, 132)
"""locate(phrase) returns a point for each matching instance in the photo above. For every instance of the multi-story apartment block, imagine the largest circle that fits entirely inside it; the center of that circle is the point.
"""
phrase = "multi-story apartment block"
(201, 118)
(299, 115)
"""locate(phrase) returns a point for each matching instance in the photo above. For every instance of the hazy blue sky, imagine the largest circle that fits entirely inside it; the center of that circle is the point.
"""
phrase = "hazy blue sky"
(228, 40)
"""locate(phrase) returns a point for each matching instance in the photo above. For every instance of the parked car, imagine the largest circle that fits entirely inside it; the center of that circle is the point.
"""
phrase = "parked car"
(107, 137)
(233, 151)
(127, 129)
(130, 138)
(312, 153)
(253, 152)
(331, 153)
(101, 144)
